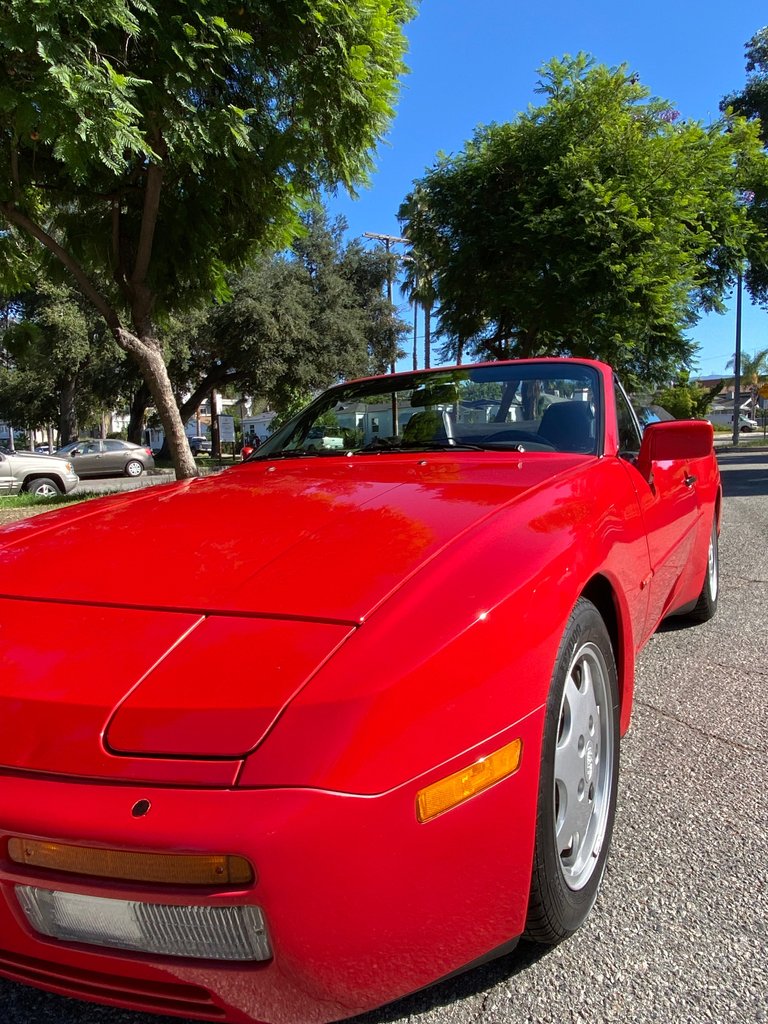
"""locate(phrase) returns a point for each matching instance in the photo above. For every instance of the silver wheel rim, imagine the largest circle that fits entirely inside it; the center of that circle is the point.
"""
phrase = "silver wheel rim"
(583, 766)
(46, 491)
(134, 469)
(712, 564)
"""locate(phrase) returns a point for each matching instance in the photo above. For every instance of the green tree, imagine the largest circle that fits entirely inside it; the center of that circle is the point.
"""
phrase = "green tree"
(754, 371)
(686, 399)
(296, 322)
(59, 364)
(419, 275)
(596, 224)
(752, 103)
(148, 147)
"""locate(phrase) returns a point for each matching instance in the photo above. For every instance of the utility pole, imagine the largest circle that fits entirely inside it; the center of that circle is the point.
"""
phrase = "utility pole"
(389, 241)
(737, 365)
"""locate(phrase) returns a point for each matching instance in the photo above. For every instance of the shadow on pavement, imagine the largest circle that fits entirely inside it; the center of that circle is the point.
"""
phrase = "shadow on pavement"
(470, 983)
(743, 474)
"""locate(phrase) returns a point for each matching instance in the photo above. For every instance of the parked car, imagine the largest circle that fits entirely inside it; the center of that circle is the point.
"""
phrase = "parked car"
(94, 457)
(200, 445)
(44, 449)
(423, 643)
(41, 475)
(724, 417)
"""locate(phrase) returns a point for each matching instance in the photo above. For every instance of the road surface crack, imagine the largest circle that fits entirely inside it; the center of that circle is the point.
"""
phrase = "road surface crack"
(747, 748)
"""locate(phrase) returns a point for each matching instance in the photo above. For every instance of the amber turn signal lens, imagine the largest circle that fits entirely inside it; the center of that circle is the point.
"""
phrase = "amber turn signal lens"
(455, 789)
(168, 868)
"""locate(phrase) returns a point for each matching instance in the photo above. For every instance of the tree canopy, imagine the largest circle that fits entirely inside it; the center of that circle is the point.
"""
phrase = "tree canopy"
(296, 321)
(148, 147)
(598, 223)
(56, 363)
(752, 103)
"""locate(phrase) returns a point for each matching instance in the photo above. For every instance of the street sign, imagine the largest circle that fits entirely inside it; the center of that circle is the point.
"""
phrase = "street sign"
(227, 429)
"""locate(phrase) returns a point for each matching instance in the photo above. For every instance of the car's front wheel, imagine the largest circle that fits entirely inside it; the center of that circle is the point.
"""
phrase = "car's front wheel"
(134, 468)
(579, 779)
(42, 488)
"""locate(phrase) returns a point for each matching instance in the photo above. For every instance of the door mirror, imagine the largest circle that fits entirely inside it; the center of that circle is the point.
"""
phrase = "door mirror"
(674, 440)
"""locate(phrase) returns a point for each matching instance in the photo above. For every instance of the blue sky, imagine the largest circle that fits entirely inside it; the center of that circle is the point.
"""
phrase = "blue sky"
(475, 61)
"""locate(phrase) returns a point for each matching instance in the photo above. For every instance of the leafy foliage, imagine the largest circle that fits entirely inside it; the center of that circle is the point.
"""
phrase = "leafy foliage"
(752, 103)
(686, 400)
(59, 365)
(153, 146)
(596, 224)
(298, 321)
(753, 372)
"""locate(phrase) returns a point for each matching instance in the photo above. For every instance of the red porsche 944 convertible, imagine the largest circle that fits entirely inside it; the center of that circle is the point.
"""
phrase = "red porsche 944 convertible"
(353, 723)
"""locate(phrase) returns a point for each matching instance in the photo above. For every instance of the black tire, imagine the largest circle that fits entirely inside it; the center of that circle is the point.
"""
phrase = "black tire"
(706, 606)
(133, 468)
(43, 487)
(579, 779)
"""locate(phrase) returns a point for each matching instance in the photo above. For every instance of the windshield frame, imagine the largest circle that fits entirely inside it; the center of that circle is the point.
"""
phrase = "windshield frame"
(386, 386)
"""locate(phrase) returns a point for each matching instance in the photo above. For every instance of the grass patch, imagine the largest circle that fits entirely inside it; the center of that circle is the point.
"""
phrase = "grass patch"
(32, 501)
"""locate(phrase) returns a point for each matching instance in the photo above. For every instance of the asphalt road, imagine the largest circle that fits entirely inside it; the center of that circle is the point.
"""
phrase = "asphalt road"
(680, 931)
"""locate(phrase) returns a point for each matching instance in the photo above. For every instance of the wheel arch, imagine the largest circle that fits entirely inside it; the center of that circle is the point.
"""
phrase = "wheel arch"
(31, 477)
(600, 591)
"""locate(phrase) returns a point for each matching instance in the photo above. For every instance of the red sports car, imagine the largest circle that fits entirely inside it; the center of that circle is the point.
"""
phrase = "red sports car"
(353, 723)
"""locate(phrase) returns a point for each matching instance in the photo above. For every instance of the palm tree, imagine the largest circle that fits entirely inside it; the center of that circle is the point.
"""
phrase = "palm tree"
(419, 279)
(418, 285)
(754, 370)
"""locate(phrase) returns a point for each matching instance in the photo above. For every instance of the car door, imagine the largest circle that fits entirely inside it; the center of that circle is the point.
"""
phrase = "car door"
(670, 507)
(87, 458)
(115, 456)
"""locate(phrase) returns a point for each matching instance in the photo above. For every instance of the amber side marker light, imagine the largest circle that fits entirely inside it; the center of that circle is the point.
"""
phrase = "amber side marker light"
(454, 789)
(170, 868)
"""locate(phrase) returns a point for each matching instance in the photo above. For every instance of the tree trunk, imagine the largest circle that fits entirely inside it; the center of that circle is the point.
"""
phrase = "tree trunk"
(141, 345)
(215, 433)
(147, 354)
(68, 426)
(141, 399)
(427, 336)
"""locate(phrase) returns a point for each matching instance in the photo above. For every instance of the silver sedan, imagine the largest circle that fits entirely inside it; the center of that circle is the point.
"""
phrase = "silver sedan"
(111, 457)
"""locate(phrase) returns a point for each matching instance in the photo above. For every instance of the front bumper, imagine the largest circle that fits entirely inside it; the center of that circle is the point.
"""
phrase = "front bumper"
(70, 481)
(362, 903)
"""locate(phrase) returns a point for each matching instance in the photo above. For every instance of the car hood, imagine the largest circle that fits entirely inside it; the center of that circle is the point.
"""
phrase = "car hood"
(317, 538)
(161, 636)
(34, 459)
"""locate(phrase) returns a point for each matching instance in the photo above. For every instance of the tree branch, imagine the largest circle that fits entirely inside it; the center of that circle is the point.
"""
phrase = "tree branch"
(214, 379)
(15, 216)
(15, 176)
(115, 203)
(152, 190)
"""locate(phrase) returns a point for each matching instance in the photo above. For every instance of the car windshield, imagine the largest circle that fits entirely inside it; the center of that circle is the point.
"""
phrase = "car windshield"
(538, 407)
